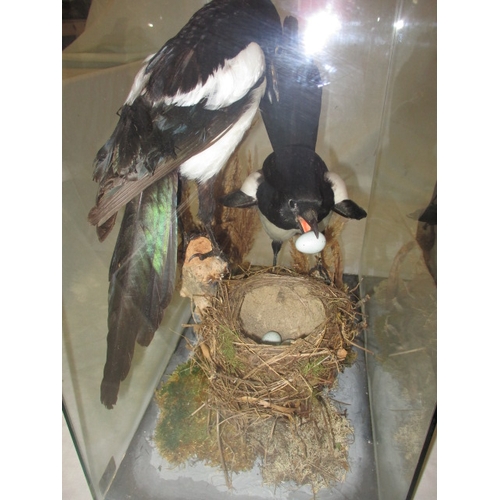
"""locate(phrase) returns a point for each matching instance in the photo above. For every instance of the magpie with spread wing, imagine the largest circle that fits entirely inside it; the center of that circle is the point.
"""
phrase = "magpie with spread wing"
(294, 191)
(188, 109)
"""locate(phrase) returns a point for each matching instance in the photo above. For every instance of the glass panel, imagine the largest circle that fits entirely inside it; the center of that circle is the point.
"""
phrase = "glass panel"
(90, 103)
(377, 131)
(399, 254)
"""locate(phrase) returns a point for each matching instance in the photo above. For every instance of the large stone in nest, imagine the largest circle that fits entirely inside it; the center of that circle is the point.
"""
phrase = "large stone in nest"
(292, 310)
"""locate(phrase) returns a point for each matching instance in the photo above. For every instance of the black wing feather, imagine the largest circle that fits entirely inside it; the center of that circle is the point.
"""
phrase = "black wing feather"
(217, 32)
(170, 143)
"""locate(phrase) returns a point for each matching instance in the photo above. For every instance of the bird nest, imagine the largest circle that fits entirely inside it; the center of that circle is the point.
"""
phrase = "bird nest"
(239, 401)
(249, 378)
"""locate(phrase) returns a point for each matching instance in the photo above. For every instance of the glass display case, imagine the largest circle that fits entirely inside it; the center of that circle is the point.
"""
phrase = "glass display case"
(377, 131)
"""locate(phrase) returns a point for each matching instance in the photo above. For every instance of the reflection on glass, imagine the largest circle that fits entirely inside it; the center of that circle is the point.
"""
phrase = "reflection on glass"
(320, 27)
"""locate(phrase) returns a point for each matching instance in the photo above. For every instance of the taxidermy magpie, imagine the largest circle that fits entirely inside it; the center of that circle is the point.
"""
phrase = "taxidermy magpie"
(294, 191)
(188, 109)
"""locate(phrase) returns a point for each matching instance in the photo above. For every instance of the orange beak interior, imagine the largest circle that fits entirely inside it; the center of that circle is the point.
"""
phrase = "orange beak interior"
(305, 225)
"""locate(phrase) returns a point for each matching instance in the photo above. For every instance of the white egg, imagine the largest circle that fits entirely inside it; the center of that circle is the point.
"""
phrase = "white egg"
(271, 338)
(308, 243)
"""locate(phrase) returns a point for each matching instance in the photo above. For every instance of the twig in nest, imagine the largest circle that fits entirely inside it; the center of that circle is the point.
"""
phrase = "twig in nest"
(359, 347)
(197, 410)
(267, 404)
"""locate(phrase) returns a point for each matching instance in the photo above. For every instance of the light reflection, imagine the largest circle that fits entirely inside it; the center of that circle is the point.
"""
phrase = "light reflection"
(319, 28)
(329, 69)
(150, 25)
(399, 24)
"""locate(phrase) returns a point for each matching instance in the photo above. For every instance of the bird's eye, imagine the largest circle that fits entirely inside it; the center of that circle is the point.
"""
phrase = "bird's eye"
(292, 204)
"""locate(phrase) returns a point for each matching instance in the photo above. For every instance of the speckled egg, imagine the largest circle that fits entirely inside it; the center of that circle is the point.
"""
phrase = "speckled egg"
(308, 243)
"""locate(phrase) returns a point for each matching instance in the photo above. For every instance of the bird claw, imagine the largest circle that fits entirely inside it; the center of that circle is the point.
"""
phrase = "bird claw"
(322, 272)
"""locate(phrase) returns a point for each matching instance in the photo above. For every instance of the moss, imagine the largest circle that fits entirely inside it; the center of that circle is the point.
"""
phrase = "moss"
(181, 429)
(227, 338)
(313, 369)
(184, 432)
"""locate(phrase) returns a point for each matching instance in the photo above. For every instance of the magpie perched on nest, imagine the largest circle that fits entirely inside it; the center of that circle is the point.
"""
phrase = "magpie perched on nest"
(294, 191)
(188, 109)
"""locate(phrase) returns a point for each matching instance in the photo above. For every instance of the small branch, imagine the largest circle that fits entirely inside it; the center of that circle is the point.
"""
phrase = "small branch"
(359, 347)
(196, 411)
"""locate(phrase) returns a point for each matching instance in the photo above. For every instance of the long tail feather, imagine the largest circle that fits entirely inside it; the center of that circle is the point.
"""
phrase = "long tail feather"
(293, 118)
(142, 278)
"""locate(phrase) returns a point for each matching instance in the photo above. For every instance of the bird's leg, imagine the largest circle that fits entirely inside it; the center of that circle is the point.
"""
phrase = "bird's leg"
(276, 250)
(321, 270)
(206, 210)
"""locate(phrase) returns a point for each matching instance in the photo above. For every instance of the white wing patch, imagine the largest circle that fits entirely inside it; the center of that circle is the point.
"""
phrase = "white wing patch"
(208, 163)
(140, 81)
(227, 84)
(338, 186)
(251, 184)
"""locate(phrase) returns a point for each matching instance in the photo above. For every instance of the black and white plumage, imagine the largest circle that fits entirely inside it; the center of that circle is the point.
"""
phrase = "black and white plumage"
(188, 109)
(294, 191)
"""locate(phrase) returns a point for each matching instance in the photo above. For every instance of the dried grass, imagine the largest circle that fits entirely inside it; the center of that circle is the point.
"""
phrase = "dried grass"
(313, 452)
(255, 380)
(300, 451)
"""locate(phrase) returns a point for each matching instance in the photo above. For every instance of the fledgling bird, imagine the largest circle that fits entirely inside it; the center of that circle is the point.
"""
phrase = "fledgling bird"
(294, 191)
(188, 109)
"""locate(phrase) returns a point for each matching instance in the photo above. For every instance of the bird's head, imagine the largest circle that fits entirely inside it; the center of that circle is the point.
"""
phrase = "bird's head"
(291, 194)
(304, 215)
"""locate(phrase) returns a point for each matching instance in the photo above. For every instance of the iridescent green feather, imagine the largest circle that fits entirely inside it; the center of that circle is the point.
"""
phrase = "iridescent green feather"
(141, 278)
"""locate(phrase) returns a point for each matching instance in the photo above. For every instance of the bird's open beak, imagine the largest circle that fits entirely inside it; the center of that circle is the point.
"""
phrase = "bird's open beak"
(309, 222)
